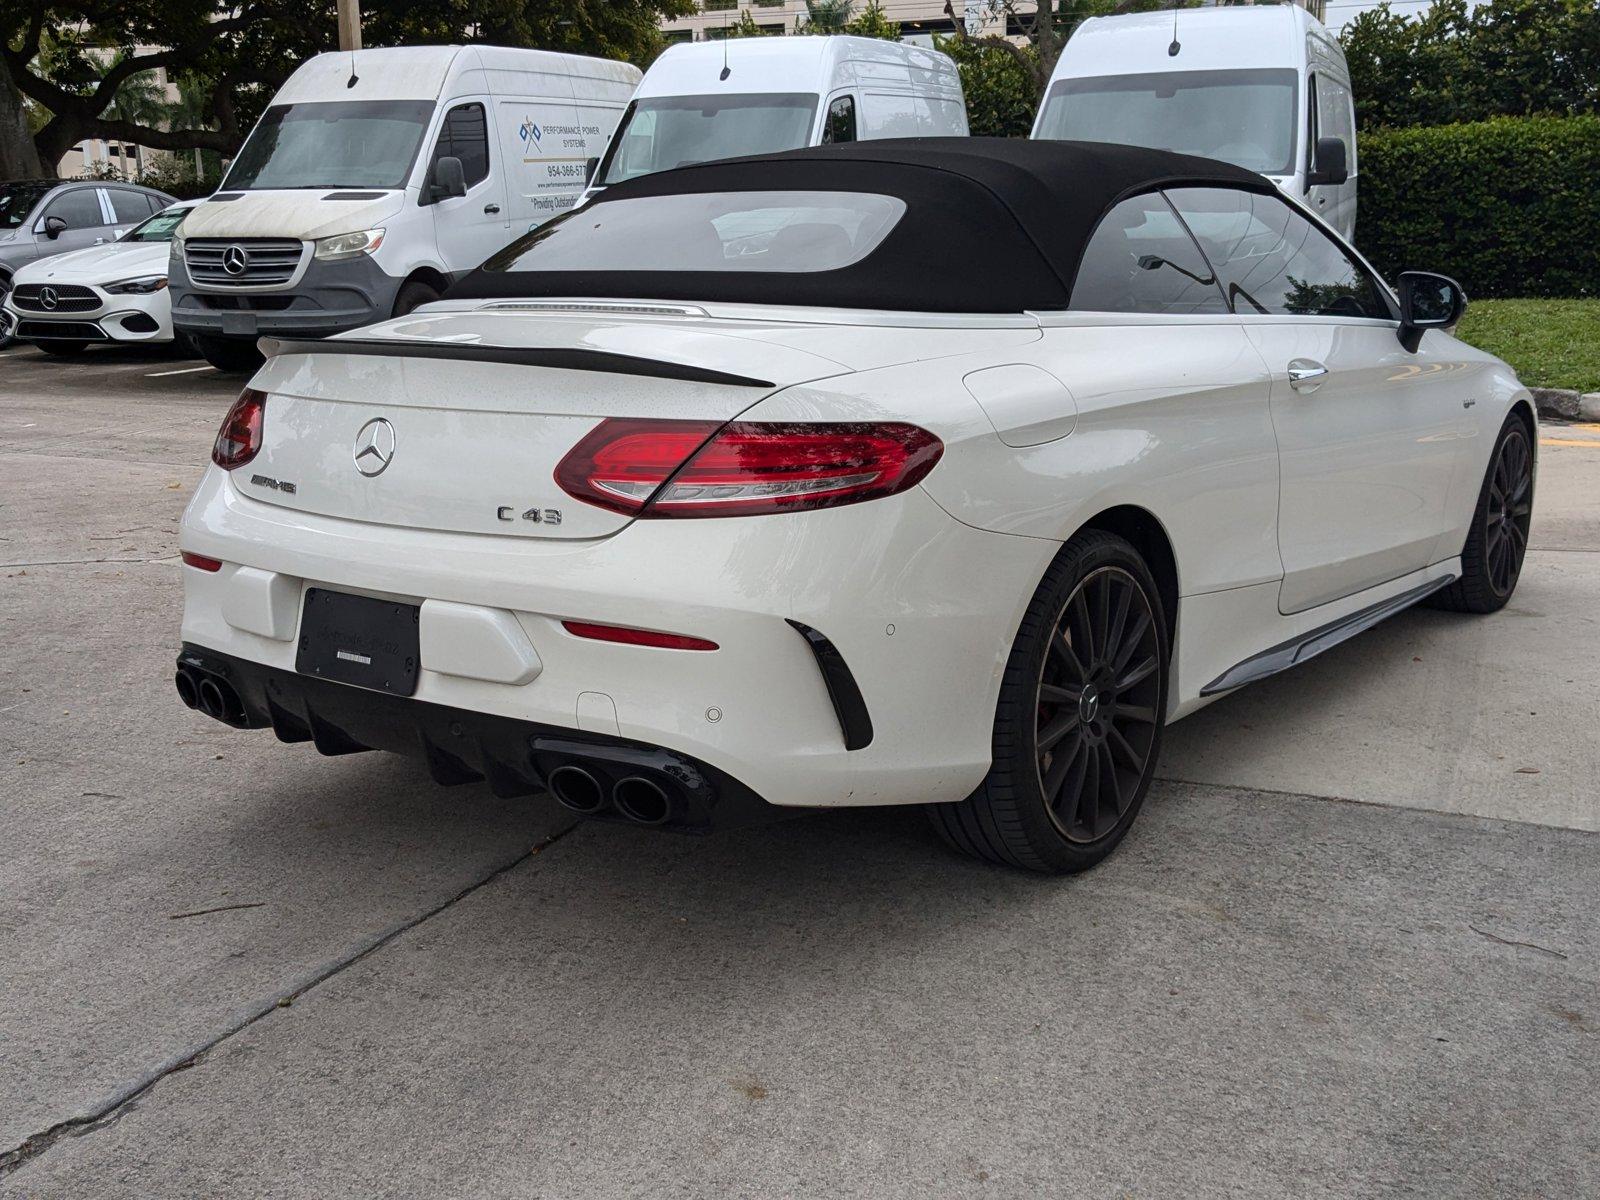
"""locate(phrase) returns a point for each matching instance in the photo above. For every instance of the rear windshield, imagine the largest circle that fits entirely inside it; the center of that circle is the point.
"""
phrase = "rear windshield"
(784, 232)
(333, 144)
(662, 132)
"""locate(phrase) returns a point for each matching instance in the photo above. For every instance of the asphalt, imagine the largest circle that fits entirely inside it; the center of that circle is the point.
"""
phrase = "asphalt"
(1350, 948)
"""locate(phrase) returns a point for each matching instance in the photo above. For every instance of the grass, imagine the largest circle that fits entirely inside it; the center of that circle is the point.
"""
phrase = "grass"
(1549, 343)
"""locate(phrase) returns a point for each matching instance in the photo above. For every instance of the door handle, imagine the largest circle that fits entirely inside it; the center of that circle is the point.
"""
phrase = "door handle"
(1306, 375)
(491, 208)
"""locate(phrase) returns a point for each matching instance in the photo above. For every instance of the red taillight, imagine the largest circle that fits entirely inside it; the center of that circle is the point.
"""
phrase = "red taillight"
(696, 469)
(636, 637)
(239, 439)
(199, 561)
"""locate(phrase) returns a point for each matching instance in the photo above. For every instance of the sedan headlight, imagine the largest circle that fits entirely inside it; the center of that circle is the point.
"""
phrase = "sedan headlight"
(348, 245)
(137, 287)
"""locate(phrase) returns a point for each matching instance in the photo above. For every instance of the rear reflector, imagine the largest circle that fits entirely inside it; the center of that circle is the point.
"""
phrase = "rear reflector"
(636, 637)
(199, 561)
(653, 468)
(239, 439)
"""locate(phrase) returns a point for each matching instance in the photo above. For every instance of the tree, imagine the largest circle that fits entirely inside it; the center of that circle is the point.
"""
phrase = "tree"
(1000, 93)
(72, 58)
(1460, 63)
(1046, 26)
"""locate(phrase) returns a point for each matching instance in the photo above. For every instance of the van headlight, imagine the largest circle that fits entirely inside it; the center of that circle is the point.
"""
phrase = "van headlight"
(142, 286)
(348, 245)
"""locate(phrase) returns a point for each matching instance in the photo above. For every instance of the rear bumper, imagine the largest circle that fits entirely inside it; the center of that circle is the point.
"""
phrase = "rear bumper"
(329, 298)
(920, 607)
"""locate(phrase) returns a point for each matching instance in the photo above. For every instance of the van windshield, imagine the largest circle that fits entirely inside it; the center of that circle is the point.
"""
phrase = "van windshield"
(333, 144)
(1247, 118)
(662, 132)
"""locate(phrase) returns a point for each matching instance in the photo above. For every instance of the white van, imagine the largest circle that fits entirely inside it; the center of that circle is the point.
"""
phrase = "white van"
(708, 100)
(375, 178)
(1263, 87)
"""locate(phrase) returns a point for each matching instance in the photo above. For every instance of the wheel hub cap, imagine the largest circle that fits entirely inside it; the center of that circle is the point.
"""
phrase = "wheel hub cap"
(1089, 704)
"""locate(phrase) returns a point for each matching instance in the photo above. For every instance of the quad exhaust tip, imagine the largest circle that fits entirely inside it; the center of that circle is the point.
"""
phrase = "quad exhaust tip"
(642, 800)
(577, 788)
(187, 691)
(211, 695)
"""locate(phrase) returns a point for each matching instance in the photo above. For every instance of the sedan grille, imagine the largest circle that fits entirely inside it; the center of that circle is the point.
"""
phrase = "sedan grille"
(242, 262)
(54, 298)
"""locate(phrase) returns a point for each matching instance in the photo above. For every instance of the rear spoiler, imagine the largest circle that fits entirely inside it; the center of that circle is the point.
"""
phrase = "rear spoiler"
(562, 358)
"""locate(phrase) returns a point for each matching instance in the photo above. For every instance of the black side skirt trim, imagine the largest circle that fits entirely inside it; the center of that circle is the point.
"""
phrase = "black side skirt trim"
(563, 358)
(1325, 637)
(854, 720)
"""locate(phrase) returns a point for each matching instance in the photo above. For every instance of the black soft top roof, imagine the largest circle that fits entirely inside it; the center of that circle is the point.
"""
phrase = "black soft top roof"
(991, 224)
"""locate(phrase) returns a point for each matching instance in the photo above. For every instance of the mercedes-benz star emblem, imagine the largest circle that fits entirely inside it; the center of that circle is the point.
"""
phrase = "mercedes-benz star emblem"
(374, 447)
(48, 297)
(235, 260)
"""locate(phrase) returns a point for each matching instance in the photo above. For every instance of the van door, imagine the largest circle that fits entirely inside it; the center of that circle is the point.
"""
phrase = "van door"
(839, 120)
(547, 145)
(468, 229)
(1330, 113)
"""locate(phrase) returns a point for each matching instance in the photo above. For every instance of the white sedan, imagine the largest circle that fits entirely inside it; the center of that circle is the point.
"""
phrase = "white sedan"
(934, 472)
(111, 293)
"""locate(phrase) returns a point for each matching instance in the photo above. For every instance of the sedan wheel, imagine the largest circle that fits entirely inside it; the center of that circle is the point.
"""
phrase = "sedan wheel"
(1491, 561)
(1078, 725)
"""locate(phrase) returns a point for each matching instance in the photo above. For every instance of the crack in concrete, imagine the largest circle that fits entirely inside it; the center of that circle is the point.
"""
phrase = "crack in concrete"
(87, 562)
(113, 1109)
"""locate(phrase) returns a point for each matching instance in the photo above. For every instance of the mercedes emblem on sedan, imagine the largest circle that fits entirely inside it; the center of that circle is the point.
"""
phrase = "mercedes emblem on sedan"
(374, 447)
(48, 297)
(236, 260)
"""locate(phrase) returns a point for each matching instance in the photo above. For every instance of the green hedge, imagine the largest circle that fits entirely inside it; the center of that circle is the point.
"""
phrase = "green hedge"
(1510, 207)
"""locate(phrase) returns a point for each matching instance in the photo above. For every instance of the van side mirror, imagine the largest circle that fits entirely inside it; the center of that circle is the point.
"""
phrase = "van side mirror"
(1330, 162)
(54, 227)
(1428, 301)
(449, 180)
(590, 166)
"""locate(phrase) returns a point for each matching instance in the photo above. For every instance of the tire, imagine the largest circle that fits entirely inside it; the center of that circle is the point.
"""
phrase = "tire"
(1099, 708)
(62, 349)
(228, 354)
(413, 295)
(1497, 542)
(8, 324)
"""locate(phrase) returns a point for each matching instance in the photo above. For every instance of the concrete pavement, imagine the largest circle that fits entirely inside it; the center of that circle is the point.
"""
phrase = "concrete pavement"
(1269, 990)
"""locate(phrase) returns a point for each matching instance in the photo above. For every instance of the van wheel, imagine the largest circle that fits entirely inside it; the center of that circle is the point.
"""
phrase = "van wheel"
(413, 295)
(61, 348)
(228, 354)
(1078, 725)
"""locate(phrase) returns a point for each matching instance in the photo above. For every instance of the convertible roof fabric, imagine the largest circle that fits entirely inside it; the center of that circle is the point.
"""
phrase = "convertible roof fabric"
(992, 225)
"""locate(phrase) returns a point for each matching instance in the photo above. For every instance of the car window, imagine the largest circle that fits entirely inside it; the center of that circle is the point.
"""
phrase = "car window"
(1334, 117)
(160, 227)
(1273, 260)
(465, 135)
(129, 206)
(841, 123)
(80, 209)
(1142, 260)
(17, 201)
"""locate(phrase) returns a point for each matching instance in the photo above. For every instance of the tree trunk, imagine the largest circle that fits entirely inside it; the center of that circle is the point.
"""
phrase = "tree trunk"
(19, 157)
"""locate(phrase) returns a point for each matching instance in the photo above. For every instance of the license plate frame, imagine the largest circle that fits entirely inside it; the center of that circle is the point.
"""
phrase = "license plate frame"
(359, 640)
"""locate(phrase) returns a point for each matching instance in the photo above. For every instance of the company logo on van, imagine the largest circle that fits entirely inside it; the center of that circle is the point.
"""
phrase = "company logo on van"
(530, 132)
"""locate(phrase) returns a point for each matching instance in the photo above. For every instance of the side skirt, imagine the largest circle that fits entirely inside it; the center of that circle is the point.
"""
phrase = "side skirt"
(1309, 645)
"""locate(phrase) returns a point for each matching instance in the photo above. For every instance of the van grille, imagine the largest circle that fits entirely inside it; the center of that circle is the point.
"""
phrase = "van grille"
(242, 262)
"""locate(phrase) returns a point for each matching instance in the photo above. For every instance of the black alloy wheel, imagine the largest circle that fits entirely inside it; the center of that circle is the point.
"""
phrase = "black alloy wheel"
(1078, 722)
(1497, 542)
(1097, 694)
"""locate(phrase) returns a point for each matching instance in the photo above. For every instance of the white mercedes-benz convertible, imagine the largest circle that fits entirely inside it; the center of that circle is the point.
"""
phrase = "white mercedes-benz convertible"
(933, 472)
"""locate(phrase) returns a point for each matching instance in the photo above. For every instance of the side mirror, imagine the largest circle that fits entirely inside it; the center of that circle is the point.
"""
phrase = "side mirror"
(449, 180)
(590, 166)
(1428, 301)
(54, 227)
(1330, 162)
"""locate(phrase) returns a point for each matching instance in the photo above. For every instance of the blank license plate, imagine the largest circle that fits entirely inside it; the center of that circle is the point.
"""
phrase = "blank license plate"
(356, 639)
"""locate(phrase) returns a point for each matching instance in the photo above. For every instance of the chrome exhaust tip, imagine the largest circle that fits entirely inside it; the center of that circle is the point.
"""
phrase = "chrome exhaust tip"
(577, 789)
(642, 800)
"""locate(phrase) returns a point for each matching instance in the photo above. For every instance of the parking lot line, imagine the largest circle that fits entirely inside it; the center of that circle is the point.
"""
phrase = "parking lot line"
(1590, 442)
(184, 371)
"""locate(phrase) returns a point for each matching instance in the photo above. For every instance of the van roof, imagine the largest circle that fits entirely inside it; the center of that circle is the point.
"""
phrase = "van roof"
(797, 64)
(427, 72)
(1240, 37)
